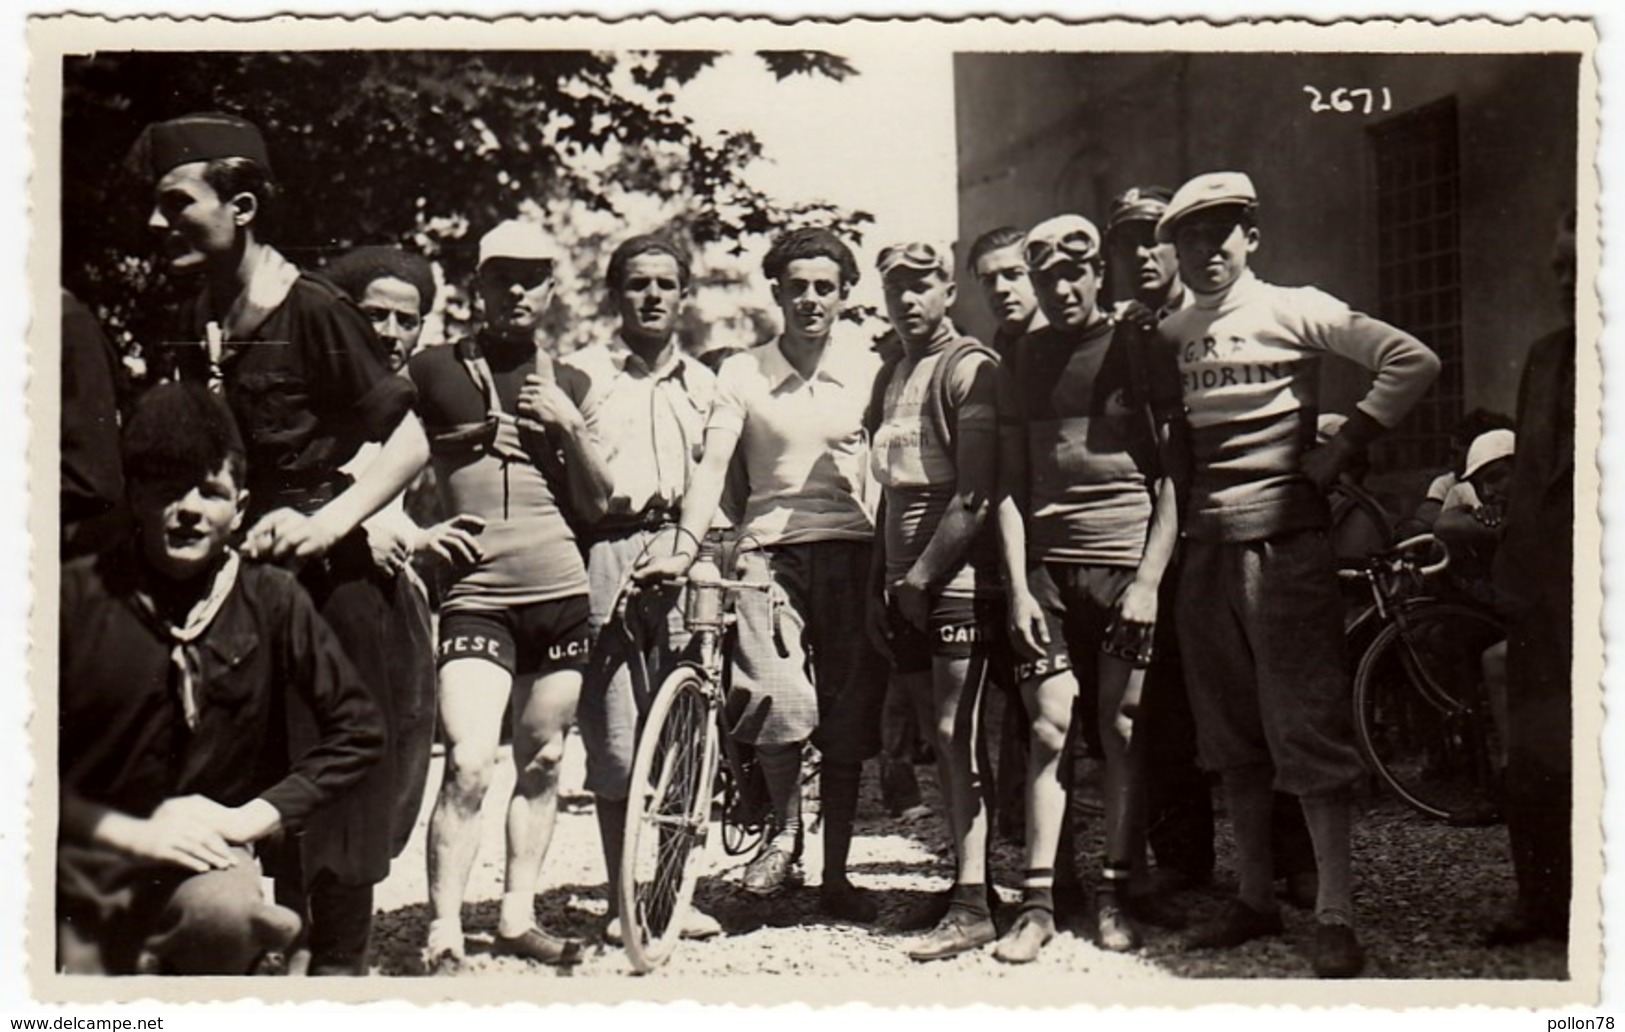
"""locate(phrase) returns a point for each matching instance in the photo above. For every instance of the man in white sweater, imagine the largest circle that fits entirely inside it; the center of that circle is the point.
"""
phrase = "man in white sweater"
(1258, 612)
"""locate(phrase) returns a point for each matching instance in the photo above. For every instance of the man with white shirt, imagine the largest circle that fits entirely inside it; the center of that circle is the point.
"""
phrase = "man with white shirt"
(793, 409)
(645, 403)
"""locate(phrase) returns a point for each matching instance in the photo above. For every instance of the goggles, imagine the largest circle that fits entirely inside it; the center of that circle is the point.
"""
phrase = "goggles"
(1075, 245)
(916, 255)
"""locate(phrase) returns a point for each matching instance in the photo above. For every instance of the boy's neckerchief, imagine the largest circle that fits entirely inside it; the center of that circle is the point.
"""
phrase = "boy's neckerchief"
(184, 653)
(268, 286)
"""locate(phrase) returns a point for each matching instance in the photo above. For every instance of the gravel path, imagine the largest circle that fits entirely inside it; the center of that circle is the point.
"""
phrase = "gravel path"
(1426, 892)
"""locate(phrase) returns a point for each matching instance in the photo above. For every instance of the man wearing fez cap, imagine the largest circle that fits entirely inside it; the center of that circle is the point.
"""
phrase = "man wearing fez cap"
(1259, 615)
(1087, 524)
(299, 366)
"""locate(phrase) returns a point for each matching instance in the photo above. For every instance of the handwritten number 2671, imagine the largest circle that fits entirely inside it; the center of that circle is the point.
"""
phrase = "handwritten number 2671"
(1344, 100)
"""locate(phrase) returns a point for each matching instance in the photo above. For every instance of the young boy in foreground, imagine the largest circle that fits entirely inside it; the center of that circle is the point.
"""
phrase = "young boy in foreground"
(177, 663)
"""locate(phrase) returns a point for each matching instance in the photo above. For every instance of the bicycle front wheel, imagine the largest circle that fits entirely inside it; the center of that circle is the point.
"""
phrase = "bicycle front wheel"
(1422, 711)
(668, 814)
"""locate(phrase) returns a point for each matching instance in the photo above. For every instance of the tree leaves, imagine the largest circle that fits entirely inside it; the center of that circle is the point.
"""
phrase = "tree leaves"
(416, 147)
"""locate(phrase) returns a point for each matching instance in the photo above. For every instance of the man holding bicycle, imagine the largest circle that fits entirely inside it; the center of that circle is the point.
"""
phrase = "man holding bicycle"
(1260, 618)
(793, 409)
(510, 448)
(645, 403)
(934, 452)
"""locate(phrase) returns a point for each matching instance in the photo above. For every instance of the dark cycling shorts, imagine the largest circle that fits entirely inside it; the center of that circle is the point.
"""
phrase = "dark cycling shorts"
(539, 638)
(957, 628)
(1079, 601)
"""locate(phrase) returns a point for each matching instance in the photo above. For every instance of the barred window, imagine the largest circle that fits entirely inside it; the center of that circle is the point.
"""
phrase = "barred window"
(1419, 267)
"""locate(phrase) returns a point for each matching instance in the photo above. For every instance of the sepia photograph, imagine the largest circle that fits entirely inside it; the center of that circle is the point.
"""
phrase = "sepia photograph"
(903, 512)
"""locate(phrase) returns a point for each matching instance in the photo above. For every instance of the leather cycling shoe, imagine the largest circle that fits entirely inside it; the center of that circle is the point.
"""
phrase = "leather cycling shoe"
(1238, 924)
(535, 944)
(772, 870)
(1033, 929)
(959, 932)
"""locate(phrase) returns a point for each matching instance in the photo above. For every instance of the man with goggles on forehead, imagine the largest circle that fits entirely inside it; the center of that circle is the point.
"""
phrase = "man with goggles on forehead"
(1259, 612)
(510, 448)
(935, 608)
(1087, 526)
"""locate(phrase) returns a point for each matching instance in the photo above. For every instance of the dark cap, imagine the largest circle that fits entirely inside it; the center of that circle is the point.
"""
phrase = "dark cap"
(1138, 204)
(198, 137)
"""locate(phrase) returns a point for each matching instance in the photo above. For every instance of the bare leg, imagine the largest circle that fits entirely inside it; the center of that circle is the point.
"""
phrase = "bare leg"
(956, 729)
(472, 694)
(1049, 701)
(543, 711)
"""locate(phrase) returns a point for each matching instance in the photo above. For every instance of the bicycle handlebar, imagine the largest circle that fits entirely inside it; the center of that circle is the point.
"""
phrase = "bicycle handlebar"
(1398, 557)
(1425, 540)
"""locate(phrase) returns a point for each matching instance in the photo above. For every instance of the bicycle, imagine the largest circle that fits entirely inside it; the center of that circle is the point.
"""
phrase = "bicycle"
(686, 761)
(1421, 706)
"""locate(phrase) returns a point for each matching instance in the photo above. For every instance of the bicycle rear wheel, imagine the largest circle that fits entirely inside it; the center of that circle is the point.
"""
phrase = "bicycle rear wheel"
(1422, 715)
(668, 815)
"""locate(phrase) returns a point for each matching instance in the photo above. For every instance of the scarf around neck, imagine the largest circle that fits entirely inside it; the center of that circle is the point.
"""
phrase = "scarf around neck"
(183, 653)
(267, 288)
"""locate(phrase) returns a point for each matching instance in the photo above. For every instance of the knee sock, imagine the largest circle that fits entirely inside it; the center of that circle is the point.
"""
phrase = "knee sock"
(1038, 889)
(1114, 878)
(1249, 798)
(1328, 818)
(838, 793)
(781, 768)
(970, 898)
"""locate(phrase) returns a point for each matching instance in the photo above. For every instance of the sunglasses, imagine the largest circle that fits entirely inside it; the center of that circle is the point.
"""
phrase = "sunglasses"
(503, 273)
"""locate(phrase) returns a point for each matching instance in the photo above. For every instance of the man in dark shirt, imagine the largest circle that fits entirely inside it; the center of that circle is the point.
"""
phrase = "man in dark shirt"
(1087, 524)
(995, 259)
(177, 662)
(92, 484)
(1534, 579)
(304, 376)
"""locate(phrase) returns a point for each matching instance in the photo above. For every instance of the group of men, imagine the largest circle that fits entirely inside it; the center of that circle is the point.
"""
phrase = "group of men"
(932, 511)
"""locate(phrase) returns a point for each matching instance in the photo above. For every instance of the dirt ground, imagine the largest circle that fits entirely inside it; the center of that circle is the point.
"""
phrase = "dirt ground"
(1425, 893)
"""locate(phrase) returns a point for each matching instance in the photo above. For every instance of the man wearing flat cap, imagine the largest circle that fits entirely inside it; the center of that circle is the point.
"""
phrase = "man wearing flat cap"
(1259, 613)
(1087, 528)
(510, 449)
(1179, 817)
(301, 371)
(936, 602)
